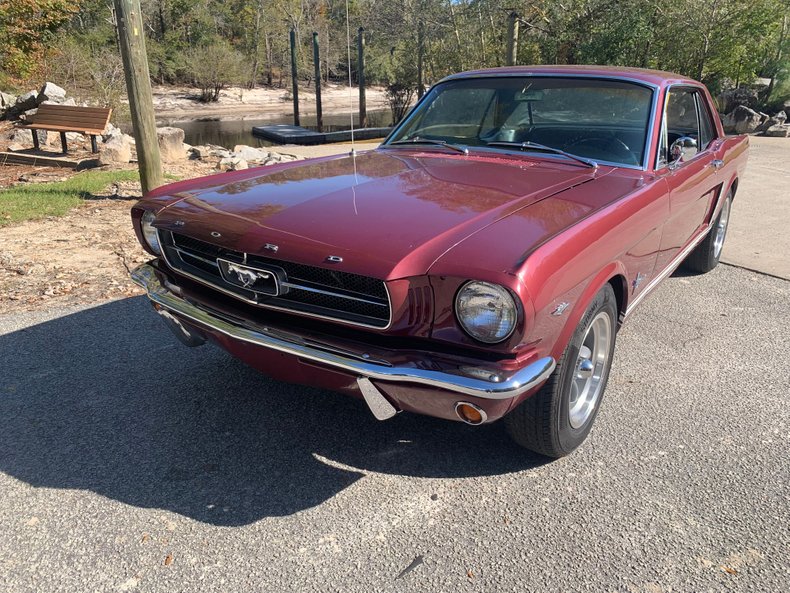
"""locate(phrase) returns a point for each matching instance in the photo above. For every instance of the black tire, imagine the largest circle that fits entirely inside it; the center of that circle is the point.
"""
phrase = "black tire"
(706, 255)
(542, 423)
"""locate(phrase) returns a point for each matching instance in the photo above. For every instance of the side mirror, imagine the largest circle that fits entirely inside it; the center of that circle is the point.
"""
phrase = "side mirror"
(682, 150)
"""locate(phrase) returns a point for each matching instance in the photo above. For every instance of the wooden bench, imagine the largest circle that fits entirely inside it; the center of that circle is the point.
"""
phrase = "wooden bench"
(66, 118)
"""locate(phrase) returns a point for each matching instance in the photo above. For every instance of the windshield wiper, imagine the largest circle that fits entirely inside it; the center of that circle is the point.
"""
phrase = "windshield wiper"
(418, 140)
(535, 146)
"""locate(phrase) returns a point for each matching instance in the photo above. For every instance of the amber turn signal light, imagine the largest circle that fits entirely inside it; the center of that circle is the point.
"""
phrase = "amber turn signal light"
(470, 413)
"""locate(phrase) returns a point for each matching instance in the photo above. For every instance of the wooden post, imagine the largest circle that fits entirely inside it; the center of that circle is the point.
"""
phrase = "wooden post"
(363, 109)
(294, 80)
(131, 39)
(420, 50)
(317, 63)
(512, 39)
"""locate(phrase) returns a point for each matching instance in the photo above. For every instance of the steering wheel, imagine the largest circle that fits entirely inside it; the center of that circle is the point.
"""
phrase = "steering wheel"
(604, 148)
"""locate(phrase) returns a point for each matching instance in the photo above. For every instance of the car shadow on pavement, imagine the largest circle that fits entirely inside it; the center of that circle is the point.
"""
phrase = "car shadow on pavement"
(106, 400)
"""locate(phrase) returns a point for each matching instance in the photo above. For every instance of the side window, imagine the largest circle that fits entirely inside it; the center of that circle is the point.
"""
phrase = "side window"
(707, 131)
(680, 119)
(682, 115)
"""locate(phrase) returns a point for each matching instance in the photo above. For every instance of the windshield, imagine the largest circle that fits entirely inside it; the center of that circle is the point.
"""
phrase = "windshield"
(603, 120)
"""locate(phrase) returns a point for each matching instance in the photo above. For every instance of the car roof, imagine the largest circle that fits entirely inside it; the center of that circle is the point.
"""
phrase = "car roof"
(652, 77)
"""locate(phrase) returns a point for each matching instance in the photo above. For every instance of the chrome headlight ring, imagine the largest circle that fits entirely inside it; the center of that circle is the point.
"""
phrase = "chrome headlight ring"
(149, 232)
(486, 311)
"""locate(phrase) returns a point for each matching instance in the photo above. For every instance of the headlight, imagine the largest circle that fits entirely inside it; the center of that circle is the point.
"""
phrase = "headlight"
(486, 311)
(149, 232)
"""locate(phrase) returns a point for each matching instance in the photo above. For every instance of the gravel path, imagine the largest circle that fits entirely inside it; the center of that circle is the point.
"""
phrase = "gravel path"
(128, 462)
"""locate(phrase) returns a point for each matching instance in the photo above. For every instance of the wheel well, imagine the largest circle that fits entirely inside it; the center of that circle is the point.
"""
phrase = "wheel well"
(620, 294)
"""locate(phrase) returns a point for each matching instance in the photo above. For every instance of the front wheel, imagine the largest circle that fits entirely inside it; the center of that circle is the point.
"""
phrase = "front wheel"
(706, 255)
(558, 418)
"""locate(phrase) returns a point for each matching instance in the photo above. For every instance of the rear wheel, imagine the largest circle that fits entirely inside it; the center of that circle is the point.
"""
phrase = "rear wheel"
(558, 418)
(706, 255)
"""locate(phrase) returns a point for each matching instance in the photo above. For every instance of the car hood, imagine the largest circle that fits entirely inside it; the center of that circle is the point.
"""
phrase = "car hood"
(388, 213)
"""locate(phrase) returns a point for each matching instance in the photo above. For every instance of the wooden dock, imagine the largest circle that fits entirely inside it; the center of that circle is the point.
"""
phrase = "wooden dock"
(287, 134)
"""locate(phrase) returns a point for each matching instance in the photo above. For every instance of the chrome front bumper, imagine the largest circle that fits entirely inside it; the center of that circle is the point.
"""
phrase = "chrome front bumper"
(501, 387)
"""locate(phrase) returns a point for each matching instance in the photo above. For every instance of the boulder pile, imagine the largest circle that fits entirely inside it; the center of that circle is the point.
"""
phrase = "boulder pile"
(745, 120)
(14, 108)
(241, 157)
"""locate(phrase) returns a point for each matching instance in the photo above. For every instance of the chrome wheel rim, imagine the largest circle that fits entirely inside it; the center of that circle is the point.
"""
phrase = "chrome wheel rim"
(721, 228)
(589, 374)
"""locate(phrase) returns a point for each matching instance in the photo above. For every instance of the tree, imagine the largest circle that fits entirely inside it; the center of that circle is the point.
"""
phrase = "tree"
(25, 28)
(212, 68)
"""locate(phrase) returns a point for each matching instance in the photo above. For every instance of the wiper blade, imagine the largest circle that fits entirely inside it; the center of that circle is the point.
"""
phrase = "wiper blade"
(535, 146)
(418, 140)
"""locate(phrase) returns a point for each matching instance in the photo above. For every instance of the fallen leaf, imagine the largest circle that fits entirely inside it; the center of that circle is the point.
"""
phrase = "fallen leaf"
(168, 560)
(145, 537)
(729, 570)
(470, 574)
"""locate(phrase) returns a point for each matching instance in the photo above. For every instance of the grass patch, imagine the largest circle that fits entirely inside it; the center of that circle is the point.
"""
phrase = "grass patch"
(37, 200)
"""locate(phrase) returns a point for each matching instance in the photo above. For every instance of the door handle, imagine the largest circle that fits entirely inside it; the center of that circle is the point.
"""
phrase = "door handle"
(717, 164)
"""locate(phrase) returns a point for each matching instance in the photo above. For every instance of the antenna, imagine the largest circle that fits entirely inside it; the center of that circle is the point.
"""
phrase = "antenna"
(350, 91)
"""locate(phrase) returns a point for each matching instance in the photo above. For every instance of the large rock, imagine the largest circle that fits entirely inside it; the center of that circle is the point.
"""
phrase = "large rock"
(171, 144)
(778, 131)
(6, 103)
(23, 103)
(232, 163)
(51, 92)
(772, 121)
(24, 138)
(250, 153)
(732, 98)
(116, 151)
(741, 120)
(6, 100)
(206, 151)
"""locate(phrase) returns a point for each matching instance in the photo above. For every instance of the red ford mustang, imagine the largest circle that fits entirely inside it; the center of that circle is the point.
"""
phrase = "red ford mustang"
(476, 265)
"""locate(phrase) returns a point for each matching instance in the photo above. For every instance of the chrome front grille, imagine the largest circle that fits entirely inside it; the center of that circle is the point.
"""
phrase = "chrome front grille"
(311, 290)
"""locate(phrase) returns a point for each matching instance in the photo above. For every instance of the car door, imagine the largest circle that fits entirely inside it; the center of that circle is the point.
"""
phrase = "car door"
(694, 182)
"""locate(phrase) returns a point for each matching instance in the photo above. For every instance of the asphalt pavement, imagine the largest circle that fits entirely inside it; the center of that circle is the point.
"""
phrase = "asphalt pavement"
(129, 462)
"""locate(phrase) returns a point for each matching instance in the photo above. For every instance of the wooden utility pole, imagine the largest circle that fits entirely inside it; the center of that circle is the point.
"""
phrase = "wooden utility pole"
(420, 51)
(512, 39)
(317, 63)
(131, 39)
(363, 109)
(294, 79)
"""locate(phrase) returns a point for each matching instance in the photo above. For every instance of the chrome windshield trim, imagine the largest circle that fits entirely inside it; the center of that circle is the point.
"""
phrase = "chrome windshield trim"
(500, 387)
(645, 165)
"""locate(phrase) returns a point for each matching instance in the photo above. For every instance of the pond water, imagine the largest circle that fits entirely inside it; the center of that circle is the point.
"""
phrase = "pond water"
(230, 132)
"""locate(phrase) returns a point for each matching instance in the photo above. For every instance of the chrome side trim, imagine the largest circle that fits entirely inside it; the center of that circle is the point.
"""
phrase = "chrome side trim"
(500, 387)
(671, 267)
